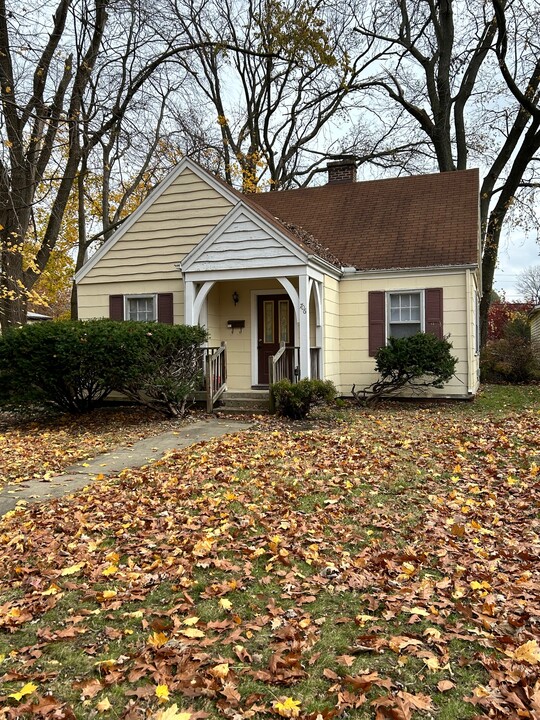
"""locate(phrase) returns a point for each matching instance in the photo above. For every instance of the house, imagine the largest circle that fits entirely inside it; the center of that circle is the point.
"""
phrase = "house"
(534, 317)
(33, 317)
(307, 282)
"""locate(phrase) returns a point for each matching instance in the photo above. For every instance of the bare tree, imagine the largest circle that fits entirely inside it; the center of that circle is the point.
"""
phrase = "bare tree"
(465, 78)
(272, 108)
(63, 94)
(528, 284)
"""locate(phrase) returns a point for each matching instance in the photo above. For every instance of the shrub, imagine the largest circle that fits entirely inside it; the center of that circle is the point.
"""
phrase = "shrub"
(67, 364)
(295, 400)
(168, 366)
(509, 360)
(417, 362)
(74, 365)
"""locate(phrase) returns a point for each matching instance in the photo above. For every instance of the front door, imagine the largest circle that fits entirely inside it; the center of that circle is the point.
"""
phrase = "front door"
(275, 315)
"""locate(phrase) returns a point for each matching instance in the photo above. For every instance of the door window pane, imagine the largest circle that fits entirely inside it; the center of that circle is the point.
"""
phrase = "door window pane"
(284, 321)
(268, 321)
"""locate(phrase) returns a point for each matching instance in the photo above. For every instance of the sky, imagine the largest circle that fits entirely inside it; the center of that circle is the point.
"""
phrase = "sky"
(515, 254)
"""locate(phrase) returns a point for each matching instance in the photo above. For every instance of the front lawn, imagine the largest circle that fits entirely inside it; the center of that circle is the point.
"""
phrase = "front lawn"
(380, 565)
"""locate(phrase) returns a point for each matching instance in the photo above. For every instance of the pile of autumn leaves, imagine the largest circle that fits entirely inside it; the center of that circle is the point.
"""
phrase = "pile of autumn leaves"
(412, 533)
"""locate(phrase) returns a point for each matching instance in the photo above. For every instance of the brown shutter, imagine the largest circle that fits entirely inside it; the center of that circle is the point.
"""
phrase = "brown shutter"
(434, 312)
(165, 308)
(376, 321)
(116, 307)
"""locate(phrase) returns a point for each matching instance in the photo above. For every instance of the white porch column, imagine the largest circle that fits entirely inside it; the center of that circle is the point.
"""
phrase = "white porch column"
(303, 298)
(189, 302)
(194, 300)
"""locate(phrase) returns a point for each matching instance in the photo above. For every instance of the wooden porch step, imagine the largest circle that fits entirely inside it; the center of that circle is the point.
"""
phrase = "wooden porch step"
(256, 403)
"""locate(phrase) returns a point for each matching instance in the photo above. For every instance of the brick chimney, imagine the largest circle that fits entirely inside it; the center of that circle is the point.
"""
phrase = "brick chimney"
(342, 171)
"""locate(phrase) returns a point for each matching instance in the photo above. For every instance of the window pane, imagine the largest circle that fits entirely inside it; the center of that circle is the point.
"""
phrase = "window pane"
(284, 321)
(402, 330)
(268, 321)
(141, 309)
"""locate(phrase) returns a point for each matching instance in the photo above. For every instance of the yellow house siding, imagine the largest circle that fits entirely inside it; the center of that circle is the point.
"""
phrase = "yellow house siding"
(357, 367)
(93, 299)
(163, 235)
(331, 330)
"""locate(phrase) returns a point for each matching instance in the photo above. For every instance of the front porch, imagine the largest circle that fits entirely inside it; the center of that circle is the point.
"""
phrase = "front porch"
(283, 365)
(261, 331)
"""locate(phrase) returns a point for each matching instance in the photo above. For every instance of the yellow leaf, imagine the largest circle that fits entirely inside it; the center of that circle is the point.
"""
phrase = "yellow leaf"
(53, 589)
(528, 652)
(225, 604)
(203, 547)
(408, 568)
(287, 708)
(220, 671)
(158, 639)
(73, 569)
(111, 570)
(484, 585)
(432, 663)
(104, 705)
(172, 713)
(27, 689)
(162, 692)
(108, 594)
(433, 632)
(191, 621)
(419, 611)
(192, 633)
(2, 658)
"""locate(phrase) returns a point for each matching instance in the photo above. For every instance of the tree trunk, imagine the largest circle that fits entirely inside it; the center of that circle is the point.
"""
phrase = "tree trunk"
(13, 302)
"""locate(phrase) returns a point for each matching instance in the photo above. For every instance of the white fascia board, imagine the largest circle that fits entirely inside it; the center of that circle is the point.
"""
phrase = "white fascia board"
(410, 272)
(244, 274)
(241, 209)
(326, 267)
(160, 188)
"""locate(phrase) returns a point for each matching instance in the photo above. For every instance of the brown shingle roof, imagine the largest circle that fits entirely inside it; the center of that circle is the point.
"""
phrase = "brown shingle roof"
(407, 222)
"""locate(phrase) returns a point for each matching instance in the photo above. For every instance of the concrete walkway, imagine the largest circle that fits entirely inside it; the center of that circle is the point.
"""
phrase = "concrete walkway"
(111, 463)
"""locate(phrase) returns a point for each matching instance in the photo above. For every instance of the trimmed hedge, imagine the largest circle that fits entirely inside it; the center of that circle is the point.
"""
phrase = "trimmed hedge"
(295, 400)
(74, 365)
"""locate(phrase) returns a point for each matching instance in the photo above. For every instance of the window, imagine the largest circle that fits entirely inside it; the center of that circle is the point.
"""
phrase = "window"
(148, 307)
(404, 314)
(141, 308)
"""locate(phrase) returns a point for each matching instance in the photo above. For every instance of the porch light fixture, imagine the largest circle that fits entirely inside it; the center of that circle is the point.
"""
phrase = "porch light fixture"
(235, 297)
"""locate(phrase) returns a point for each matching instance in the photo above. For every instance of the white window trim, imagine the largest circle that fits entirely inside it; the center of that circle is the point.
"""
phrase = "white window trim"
(140, 296)
(407, 291)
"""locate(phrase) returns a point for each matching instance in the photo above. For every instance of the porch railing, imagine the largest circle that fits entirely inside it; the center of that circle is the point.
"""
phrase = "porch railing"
(284, 364)
(215, 374)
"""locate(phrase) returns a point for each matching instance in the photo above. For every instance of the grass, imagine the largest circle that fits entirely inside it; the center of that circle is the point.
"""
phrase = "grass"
(375, 560)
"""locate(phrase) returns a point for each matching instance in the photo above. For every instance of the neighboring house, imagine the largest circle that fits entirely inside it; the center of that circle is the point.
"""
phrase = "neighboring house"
(330, 271)
(33, 317)
(534, 316)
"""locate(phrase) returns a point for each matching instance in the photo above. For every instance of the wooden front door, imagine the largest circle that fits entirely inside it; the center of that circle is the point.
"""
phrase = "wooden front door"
(275, 324)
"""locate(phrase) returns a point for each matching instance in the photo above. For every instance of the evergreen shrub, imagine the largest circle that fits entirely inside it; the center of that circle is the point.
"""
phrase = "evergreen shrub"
(295, 400)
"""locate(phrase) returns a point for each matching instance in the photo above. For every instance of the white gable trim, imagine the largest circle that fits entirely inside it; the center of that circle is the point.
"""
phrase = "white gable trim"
(184, 164)
(241, 209)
